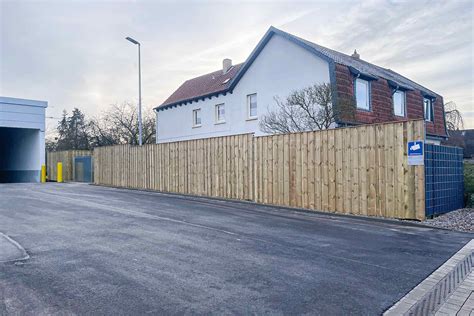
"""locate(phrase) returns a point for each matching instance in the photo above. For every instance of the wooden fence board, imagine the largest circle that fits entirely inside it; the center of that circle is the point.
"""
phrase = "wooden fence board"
(372, 176)
(355, 171)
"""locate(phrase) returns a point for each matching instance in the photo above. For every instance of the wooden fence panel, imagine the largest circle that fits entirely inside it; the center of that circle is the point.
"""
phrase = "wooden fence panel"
(358, 170)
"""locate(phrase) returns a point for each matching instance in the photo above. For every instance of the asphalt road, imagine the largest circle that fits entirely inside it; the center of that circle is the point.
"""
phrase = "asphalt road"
(96, 250)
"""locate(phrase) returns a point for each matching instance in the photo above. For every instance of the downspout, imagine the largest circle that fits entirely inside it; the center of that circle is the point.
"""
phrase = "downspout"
(444, 120)
(334, 91)
(156, 125)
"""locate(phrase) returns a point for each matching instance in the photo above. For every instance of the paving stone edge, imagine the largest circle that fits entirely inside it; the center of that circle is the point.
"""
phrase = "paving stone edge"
(428, 296)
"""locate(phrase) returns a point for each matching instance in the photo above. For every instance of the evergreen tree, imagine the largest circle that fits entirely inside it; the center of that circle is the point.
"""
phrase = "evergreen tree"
(73, 131)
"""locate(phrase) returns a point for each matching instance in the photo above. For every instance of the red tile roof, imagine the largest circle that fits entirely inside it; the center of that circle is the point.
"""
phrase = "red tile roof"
(202, 86)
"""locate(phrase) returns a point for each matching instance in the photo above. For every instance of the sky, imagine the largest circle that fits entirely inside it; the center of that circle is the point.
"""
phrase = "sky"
(74, 53)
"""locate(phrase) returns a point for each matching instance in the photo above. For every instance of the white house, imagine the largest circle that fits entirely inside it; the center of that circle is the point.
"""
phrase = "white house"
(22, 146)
(280, 68)
(232, 100)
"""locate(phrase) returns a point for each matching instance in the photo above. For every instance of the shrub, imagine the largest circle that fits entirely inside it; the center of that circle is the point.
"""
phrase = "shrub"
(469, 184)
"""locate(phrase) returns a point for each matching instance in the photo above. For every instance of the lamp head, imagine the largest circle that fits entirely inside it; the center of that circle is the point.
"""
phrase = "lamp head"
(132, 40)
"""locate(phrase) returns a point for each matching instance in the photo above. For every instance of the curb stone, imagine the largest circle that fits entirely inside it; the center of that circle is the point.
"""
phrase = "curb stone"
(428, 296)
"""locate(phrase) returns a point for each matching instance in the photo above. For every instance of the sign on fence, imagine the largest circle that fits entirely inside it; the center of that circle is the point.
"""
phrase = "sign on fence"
(415, 153)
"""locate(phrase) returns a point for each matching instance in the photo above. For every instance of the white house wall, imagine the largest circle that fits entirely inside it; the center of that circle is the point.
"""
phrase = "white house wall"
(280, 68)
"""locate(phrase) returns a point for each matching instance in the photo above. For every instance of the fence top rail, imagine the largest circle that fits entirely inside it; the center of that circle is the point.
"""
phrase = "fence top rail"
(212, 137)
(69, 150)
(122, 145)
(449, 146)
(346, 127)
(175, 142)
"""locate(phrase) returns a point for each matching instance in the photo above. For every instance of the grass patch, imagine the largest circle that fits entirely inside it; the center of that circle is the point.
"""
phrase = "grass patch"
(469, 184)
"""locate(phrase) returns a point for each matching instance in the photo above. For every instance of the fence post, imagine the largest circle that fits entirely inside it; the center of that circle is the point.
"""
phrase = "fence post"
(60, 172)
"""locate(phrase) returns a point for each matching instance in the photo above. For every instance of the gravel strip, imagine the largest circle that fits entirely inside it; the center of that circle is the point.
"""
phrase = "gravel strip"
(460, 220)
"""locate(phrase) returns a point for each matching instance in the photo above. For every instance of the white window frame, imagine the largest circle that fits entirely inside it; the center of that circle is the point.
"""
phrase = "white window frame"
(404, 103)
(367, 107)
(249, 96)
(219, 120)
(195, 124)
(429, 116)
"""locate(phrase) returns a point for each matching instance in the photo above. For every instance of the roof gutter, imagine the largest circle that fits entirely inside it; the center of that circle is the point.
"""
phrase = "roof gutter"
(191, 100)
(437, 137)
(360, 74)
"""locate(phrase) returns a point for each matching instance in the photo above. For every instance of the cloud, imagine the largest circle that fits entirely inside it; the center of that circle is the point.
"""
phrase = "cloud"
(73, 54)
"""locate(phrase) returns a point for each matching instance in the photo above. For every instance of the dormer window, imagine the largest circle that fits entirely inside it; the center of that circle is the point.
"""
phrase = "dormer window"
(362, 94)
(428, 109)
(399, 103)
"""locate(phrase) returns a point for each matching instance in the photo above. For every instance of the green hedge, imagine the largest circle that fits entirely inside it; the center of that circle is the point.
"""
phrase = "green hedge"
(469, 184)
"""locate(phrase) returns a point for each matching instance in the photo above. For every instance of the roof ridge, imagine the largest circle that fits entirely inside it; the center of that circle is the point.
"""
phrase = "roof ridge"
(313, 43)
(216, 71)
(392, 73)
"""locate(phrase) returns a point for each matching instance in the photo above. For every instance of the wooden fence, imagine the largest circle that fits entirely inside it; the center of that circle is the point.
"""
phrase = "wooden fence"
(219, 167)
(66, 157)
(357, 170)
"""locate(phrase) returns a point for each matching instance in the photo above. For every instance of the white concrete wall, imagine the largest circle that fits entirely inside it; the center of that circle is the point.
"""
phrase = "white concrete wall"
(22, 144)
(281, 68)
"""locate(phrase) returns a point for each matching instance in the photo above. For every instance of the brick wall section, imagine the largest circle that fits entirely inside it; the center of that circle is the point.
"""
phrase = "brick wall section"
(382, 106)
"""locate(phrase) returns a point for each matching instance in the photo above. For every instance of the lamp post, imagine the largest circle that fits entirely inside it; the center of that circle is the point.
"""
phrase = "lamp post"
(139, 91)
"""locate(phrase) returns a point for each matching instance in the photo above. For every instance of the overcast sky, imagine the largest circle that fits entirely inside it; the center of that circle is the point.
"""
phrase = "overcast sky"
(74, 53)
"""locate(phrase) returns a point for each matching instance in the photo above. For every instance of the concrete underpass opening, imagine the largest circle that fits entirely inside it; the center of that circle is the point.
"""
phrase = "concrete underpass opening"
(19, 158)
(22, 145)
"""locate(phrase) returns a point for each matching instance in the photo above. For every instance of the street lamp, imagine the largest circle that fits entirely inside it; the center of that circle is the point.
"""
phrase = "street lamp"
(139, 91)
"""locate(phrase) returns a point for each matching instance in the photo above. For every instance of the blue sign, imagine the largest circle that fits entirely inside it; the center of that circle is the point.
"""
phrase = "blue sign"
(415, 148)
(415, 152)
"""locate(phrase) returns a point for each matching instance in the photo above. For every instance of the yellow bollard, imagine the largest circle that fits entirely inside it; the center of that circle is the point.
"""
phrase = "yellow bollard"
(60, 172)
(43, 173)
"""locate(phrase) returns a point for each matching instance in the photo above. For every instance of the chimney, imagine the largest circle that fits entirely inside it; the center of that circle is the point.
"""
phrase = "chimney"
(355, 55)
(226, 65)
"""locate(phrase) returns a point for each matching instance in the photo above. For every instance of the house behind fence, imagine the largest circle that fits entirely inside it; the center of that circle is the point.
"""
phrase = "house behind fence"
(236, 98)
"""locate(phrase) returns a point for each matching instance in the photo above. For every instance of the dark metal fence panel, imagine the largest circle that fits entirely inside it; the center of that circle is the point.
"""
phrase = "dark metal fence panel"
(444, 182)
(83, 170)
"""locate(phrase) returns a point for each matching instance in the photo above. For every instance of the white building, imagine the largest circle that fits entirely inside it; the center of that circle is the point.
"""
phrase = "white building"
(233, 100)
(279, 68)
(22, 145)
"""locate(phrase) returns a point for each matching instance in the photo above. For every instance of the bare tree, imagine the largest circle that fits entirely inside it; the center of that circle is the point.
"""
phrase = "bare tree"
(307, 109)
(51, 143)
(454, 120)
(119, 125)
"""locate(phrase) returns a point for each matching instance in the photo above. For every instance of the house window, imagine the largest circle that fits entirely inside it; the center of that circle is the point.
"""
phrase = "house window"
(252, 105)
(399, 103)
(220, 113)
(428, 109)
(362, 94)
(197, 118)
